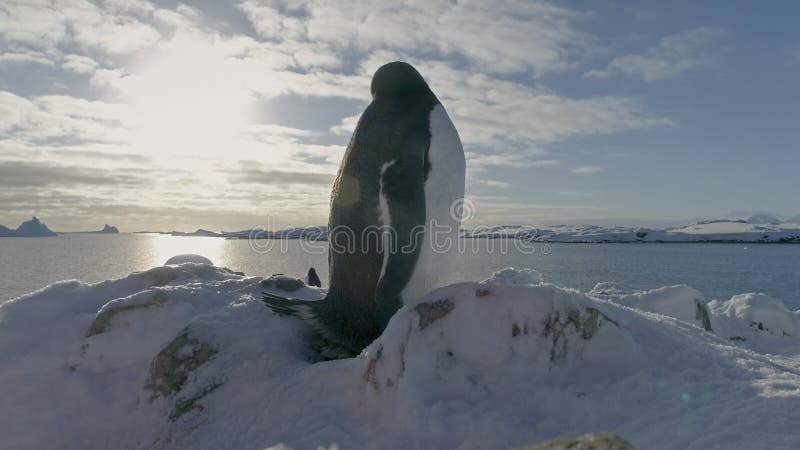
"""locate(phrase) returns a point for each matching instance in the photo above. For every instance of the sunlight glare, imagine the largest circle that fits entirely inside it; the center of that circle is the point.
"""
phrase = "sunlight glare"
(186, 101)
(164, 247)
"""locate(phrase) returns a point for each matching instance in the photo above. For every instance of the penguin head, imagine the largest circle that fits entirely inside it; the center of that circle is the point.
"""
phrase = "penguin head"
(398, 78)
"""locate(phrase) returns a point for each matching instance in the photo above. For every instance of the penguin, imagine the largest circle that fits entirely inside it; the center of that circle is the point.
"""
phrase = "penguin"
(312, 279)
(392, 222)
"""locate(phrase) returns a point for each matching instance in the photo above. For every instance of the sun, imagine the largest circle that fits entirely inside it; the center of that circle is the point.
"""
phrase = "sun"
(185, 101)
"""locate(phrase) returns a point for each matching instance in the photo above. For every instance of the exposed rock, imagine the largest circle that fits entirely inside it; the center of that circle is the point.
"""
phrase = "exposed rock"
(702, 315)
(33, 228)
(555, 328)
(107, 229)
(588, 442)
(282, 282)
(105, 315)
(171, 367)
(433, 311)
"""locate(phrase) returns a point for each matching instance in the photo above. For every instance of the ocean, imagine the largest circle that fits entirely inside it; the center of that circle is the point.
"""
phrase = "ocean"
(717, 270)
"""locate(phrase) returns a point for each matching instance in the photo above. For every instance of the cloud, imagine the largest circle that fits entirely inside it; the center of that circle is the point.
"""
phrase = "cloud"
(489, 183)
(501, 37)
(587, 169)
(673, 56)
(20, 174)
(490, 211)
(252, 172)
(521, 159)
(488, 110)
(79, 64)
(54, 118)
(26, 57)
(157, 97)
(43, 24)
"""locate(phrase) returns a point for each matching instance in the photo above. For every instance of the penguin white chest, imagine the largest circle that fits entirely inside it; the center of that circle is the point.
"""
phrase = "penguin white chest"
(444, 187)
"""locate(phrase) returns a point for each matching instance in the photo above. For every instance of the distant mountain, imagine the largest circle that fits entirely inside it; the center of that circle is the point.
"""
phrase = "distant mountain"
(703, 231)
(763, 219)
(200, 232)
(31, 228)
(108, 229)
(760, 229)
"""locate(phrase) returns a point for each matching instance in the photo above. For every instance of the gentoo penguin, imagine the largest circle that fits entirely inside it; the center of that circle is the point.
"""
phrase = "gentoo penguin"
(312, 279)
(392, 214)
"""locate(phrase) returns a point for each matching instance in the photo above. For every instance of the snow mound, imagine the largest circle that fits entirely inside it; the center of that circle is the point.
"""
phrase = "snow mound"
(188, 356)
(753, 320)
(188, 258)
(681, 302)
(747, 316)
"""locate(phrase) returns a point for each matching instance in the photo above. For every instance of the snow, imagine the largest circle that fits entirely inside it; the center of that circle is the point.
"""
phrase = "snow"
(180, 259)
(187, 356)
(705, 231)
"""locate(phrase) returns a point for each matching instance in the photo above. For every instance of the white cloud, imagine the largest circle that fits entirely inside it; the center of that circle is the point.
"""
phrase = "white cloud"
(346, 126)
(174, 90)
(79, 64)
(674, 55)
(498, 37)
(487, 110)
(488, 183)
(587, 169)
(26, 57)
(43, 24)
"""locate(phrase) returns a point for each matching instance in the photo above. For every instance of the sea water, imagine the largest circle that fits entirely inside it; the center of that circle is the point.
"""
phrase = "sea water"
(717, 270)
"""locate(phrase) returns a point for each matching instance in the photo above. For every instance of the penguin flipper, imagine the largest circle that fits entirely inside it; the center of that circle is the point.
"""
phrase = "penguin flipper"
(283, 306)
(324, 342)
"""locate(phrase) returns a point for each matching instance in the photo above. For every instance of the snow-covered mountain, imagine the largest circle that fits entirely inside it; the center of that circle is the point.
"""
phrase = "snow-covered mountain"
(704, 231)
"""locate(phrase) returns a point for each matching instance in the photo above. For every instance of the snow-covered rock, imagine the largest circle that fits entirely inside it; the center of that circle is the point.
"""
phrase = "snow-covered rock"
(681, 302)
(188, 258)
(188, 356)
(747, 316)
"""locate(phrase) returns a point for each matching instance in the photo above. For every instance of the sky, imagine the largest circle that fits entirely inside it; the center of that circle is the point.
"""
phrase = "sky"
(225, 115)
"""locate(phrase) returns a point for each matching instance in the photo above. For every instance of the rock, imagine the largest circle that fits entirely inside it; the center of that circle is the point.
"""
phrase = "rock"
(107, 229)
(188, 258)
(282, 282)
(105, 316)
(171, 367)
(433, 311)
(588, 442)
(33, 228)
